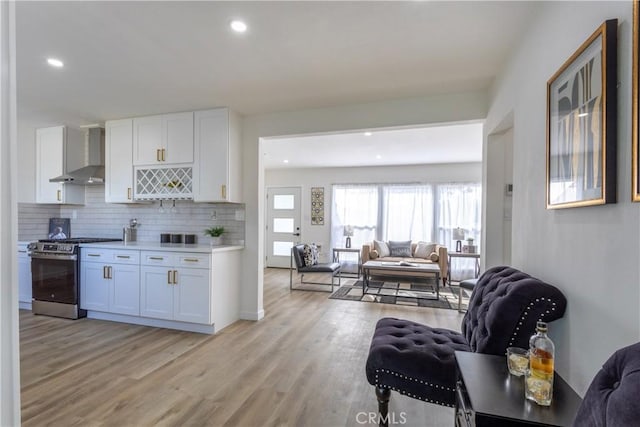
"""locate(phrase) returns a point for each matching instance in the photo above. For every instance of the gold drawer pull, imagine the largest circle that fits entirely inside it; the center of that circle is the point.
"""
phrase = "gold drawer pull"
(123, 256)
(93, 254)
(128, 193)
(156, 258)
(191, 260)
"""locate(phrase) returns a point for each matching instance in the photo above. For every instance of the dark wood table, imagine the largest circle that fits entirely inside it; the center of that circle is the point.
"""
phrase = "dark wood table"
(487, 395)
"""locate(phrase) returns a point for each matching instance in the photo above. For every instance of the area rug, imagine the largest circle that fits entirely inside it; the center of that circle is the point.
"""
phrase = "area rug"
(412, 294)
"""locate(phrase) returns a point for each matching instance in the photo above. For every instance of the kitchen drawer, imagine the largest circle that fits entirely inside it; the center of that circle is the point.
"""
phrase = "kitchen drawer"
(168, 259)
(115, 256)
(193, 260)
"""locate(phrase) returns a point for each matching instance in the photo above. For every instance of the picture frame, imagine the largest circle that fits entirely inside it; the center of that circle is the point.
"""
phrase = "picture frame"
(59, 228)
(581, 124)
(317, 205)
(635, 108)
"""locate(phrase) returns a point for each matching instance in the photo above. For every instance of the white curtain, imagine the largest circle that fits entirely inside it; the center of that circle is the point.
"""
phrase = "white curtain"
(407, 212)
(460, 205)
(357, 206)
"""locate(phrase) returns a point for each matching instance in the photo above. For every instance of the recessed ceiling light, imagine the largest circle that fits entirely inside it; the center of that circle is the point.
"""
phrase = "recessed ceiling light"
(55, 62)
(238, 26)
(368, 134)
(378, 156)
(285, 161)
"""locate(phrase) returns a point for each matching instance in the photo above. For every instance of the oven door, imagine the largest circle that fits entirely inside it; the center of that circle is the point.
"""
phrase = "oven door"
(54, 277)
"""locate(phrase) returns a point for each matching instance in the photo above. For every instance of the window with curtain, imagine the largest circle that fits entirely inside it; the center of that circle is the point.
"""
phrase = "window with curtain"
(417, 212)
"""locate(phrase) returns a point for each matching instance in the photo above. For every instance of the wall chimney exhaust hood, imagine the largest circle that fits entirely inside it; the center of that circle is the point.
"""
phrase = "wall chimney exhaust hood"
(93, 173)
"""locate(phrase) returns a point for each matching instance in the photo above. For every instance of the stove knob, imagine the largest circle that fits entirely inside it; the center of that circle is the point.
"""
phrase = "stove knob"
(53, 295)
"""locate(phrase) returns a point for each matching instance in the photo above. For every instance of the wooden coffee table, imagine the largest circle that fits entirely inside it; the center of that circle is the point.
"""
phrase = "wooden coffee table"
(393, 271)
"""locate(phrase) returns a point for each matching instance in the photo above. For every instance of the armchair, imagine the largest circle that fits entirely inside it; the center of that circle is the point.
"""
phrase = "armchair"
(418, 360)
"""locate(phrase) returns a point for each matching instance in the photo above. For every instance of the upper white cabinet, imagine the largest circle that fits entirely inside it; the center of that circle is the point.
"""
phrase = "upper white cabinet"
(217, 170)
(163, 140)
(58, 150)
(119, 161)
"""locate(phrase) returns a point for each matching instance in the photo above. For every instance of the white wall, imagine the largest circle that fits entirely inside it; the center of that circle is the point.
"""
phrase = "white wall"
(590, 253)
(326, 177)
(417, 111)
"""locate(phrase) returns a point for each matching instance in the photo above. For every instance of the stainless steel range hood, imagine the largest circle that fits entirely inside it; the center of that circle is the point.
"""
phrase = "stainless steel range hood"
(93, 173)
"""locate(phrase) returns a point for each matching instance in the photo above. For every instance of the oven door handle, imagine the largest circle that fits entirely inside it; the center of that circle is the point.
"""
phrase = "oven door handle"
(35, 255)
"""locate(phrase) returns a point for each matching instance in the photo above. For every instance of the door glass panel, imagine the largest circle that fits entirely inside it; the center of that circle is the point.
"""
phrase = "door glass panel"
(282, 248)
(283, 225)
(283, 201)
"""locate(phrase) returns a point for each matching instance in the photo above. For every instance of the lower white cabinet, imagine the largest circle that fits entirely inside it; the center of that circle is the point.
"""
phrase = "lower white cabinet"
(110, 281)
(176, 286)
(192, 291)
(24, 276)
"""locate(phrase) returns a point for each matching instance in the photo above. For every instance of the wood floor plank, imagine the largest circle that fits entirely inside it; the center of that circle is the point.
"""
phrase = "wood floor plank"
(302, 365)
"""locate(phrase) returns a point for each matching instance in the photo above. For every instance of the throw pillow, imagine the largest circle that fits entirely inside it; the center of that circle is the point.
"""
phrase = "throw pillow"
(310, 253)
(400, 249)
(434, 257)
(373, 254)
(424, 249)
(382, 248)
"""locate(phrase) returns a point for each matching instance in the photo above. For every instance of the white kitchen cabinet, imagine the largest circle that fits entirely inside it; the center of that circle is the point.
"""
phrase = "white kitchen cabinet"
(176, 286)
(217, 169)
(58, 150)
(165, 139)
(24, 277)
(110, 281)
(118, 187)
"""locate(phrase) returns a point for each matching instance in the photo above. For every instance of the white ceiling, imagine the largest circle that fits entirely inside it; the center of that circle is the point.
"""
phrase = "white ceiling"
(127, 59)
(461, 143)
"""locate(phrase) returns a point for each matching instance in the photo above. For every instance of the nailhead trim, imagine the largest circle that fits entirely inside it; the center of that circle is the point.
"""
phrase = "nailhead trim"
(526, 313)
(437, 402)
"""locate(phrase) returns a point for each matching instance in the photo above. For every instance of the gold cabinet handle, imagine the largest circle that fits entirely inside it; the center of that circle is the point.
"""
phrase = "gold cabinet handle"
(175, 277)
(163, 150)
(104, 272)
(223, 190)
(169, 277)
(158, 154)
(191, 260)
(110, 272)
(59, 195)
(123, 256)
(93, 255)
(156, 258)
(129, 193)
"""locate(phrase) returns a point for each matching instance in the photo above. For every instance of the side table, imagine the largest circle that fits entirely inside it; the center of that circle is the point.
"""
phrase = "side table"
(345, 272)
(488, 395)
(462, 255)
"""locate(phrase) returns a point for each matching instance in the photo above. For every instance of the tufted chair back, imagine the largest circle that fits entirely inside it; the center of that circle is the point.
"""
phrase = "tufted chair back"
(504, 308)
(612, 397)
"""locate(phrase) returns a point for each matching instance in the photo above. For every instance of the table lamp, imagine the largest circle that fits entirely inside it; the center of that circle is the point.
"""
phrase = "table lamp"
(458, 236)
(348, 232)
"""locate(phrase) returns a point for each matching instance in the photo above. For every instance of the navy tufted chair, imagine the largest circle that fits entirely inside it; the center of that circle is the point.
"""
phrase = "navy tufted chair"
(418, 360)
(612, 397)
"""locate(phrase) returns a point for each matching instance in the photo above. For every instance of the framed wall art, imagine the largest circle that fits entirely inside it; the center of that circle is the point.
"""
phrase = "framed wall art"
(317, 205)
(581, 124)
(635, 108)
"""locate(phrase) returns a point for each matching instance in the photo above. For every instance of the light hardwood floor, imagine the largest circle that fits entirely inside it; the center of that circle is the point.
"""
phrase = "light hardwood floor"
(302, 365)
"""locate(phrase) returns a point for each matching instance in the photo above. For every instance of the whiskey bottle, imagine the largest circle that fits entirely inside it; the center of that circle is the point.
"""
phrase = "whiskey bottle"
(539, 386)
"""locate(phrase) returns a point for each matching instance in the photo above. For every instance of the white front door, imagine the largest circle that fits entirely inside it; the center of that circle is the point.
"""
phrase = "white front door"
(283, 224)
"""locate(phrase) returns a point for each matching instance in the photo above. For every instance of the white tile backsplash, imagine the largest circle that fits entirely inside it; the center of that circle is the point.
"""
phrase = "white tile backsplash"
(99, 219)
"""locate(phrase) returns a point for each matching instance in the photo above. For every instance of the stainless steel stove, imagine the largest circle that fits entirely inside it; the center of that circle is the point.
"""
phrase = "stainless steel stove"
(55, 269)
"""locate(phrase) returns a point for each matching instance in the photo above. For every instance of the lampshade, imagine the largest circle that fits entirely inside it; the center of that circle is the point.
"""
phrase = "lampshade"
(348, 230)
(458, 234)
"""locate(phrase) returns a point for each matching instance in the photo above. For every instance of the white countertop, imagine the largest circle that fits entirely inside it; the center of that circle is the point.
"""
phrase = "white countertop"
(171, 247)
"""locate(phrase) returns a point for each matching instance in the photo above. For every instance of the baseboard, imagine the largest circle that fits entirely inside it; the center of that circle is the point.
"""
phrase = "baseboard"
(24, 305)
(158, 323)
(252, 315)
